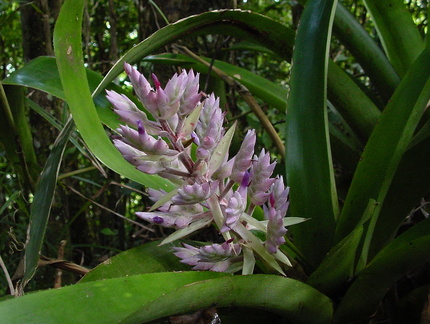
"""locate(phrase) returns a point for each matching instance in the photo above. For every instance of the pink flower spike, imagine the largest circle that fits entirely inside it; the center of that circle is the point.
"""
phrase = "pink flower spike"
(235, 208)
(129, 113)
(156, 82)
(261, 170)
(213, 257)
(275, 229)
(244, 157)
(191, 97)
(195, 193)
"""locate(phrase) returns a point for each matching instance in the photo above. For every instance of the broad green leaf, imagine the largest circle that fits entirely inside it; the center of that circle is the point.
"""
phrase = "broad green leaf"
(68, 49)
(367, 52)
(410, 184)
(399, 35)
(16, 97)
(8, 136)
(308, 159)
(102, 301)
(42, 74)
(294, 300)
(146, 258)
(338, 266)
(404, 254)
(354, 105)
(41, 206)
(387, 144)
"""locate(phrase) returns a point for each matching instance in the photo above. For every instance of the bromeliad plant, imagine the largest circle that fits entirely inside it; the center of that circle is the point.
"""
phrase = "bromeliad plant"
(351, 254)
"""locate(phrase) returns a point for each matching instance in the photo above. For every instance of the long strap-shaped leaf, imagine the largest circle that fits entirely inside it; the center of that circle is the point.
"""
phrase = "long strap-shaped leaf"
(142, 298)
(308, 159)
(296, 301)
(365, 49)
(399, 35)
(41, 207)
(367, 52)
(68, 49)
(401, 256)
(387, 144)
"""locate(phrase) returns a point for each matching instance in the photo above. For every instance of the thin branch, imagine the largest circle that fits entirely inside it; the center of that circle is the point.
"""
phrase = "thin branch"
(6, 273)
(109, 210)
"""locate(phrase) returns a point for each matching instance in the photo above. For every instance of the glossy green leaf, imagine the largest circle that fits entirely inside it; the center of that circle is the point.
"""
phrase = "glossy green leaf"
(354, 105)
(8, 135)
(16, 97)
(410, 184)
(338, 266)
(41, 206)
(366, 50)
(404, 254)
(146, 258)
(141, 298)
(387, 144)
(42, 74)
(294, 300)
(104, 301)
(308, 159)
(68, 50)
(397, 31)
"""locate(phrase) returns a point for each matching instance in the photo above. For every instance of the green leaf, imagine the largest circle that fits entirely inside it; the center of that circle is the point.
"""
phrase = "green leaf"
(67, 45)
(404, 254)
(41, 207)
(142, 298)
(308, 159)
(16, 97)
(42, 74)
(410, 184)
(338, 266)
(387, 145)
(104, 301)
(146, 258)
(399, 35)
(183, 232)
(8, 139)
(367, 52)
(294, 300)
(353, 104)
(365, 49)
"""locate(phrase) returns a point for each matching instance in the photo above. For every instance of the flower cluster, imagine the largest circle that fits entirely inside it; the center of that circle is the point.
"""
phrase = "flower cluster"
(185, 142)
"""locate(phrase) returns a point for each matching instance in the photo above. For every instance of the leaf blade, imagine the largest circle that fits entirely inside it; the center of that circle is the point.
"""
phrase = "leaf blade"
(67, 46)
(308, 159)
